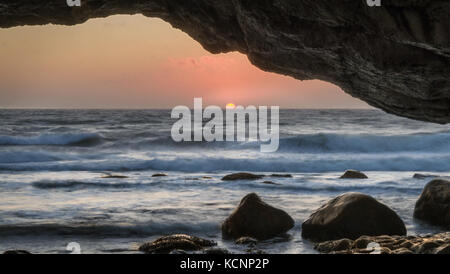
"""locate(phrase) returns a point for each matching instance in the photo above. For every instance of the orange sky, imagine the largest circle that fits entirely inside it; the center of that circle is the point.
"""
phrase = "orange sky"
(137, 62)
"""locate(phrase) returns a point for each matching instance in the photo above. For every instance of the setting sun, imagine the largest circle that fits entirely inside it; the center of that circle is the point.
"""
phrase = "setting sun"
(231, 105)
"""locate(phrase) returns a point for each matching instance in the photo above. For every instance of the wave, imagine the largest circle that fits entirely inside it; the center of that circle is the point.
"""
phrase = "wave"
(72, 185)
(365, 143)
(208, 162)
(323, 143)
(75, 139)
(151, 228)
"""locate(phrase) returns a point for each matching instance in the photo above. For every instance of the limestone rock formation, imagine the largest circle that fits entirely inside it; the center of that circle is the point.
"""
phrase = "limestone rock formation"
(395, 57)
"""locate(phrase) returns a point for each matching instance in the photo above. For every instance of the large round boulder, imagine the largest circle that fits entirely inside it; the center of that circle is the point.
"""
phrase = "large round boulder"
(350, 216)
(433, 205)
(254, 218)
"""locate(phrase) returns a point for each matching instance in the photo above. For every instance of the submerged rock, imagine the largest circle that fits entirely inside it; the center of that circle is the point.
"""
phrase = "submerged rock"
(433, 244)
(114, 176)
(254, 218)
(270, 183)
(177, 242)
(242, 176)
(353, 174)
(350, 216)
(433, 205)
(216, 250)
(281, 175)
(159, 175)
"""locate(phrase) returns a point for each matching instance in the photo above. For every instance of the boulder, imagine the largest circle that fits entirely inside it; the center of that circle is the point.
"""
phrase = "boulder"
(254, 218)
(175, 242)
(433, 205)
(353, 174)
(242, 176)
(350, 216)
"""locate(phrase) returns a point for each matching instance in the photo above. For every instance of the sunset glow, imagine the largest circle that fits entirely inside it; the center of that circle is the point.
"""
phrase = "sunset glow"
(138, 62)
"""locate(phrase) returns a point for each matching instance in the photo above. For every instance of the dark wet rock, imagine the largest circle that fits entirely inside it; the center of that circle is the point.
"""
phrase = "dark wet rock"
(254, 218)
(394, 57)
(16, 252)
(159, 175)
(350, 216)
(207, 177)
(353, 174)
(432, 244)
(270, 183)
(170, 243)
(242, 176)
(281, 175)
(246, 241)
(216, 250)
(424, 176)
(433, 205)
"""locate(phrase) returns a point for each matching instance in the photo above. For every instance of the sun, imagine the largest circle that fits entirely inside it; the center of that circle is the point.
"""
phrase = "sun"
(231, 105)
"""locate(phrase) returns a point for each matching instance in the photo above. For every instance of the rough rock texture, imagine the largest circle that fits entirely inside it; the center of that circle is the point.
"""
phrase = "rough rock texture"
(254, 218)
(432, 244)
(350, 216)
(171, 243)
(395, 57)
(353, 174)
(433, 205)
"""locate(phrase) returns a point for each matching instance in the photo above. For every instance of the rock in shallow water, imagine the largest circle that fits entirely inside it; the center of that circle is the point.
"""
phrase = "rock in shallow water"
(433, 205)
(254, 218)
(170, 243)
(353, 174)
(350, 216)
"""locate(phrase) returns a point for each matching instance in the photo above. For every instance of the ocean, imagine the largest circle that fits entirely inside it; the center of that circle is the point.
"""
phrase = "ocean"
(52, 162)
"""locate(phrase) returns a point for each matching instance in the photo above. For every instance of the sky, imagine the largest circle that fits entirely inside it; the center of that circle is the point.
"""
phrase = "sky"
(131, 61)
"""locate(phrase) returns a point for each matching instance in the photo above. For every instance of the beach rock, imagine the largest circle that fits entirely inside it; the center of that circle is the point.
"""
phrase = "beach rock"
(167, 244)
(254, 218)
(16, 252)
(430, 244)
(242, 176)
(350, 216)
(353, 174)
(159, 175)
(433, 205)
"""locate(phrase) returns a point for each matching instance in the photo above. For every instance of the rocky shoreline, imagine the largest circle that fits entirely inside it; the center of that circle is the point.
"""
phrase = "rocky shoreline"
(351, 223)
